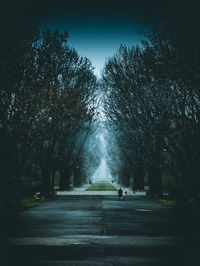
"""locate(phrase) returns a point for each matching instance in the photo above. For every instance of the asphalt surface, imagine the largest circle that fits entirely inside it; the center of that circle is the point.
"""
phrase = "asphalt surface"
(101, 230)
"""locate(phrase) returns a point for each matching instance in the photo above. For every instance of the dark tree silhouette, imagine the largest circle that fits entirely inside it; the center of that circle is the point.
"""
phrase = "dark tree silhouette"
(152, 101)
(47, 101)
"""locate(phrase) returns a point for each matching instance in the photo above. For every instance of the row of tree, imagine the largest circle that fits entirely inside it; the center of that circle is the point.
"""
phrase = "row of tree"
(152, 102)
(46, 109)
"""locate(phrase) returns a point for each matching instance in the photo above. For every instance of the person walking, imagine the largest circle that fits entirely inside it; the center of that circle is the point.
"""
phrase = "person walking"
(120, 193)
(124, 193)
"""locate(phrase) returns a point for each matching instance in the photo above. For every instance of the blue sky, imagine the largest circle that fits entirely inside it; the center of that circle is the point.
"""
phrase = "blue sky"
(96, 39)
(99, 42)
(97, 28)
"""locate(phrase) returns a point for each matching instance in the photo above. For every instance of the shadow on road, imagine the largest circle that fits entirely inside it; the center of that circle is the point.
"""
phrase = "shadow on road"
(101, 230)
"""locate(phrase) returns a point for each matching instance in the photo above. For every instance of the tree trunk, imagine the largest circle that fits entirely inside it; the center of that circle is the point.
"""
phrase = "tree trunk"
(155, 180)
(68, 173)
(52, 183)
(46, 186)
(77, 179)
(126, 181)
(138, 178)
(185, 189)
(64, 179)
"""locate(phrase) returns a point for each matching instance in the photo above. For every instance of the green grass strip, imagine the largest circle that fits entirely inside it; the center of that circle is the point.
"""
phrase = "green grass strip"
(101, 187)
(168, 202)
(30, 202)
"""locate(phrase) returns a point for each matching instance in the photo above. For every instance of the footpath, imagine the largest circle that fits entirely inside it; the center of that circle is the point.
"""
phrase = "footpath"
(100, 230)
(83, 191)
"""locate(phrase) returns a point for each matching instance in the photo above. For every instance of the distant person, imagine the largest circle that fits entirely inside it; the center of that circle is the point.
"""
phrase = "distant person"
(120, 193)
(124, 193)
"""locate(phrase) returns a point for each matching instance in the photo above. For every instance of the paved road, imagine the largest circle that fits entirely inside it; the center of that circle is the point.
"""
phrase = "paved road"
(83, 191)
(100, 230)
(97, 193)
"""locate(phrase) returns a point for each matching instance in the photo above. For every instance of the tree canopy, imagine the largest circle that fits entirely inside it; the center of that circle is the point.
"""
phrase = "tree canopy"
(152, 102)
(47, 106)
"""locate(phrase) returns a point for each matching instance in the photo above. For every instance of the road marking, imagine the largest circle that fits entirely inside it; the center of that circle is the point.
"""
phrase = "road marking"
(144, 210)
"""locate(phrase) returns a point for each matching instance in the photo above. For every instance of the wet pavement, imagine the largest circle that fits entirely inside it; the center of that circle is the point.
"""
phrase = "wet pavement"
(101, 230)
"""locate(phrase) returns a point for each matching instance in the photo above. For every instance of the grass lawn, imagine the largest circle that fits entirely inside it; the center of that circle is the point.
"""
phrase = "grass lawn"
(100, 187)
(168, 202)
(30, 202)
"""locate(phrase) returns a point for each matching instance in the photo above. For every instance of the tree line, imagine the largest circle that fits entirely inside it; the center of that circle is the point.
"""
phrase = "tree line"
(47, 108)
(152, 102)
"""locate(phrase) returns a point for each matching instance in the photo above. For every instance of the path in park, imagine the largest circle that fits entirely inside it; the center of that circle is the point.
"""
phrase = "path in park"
(96, 230)
(83, 191)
